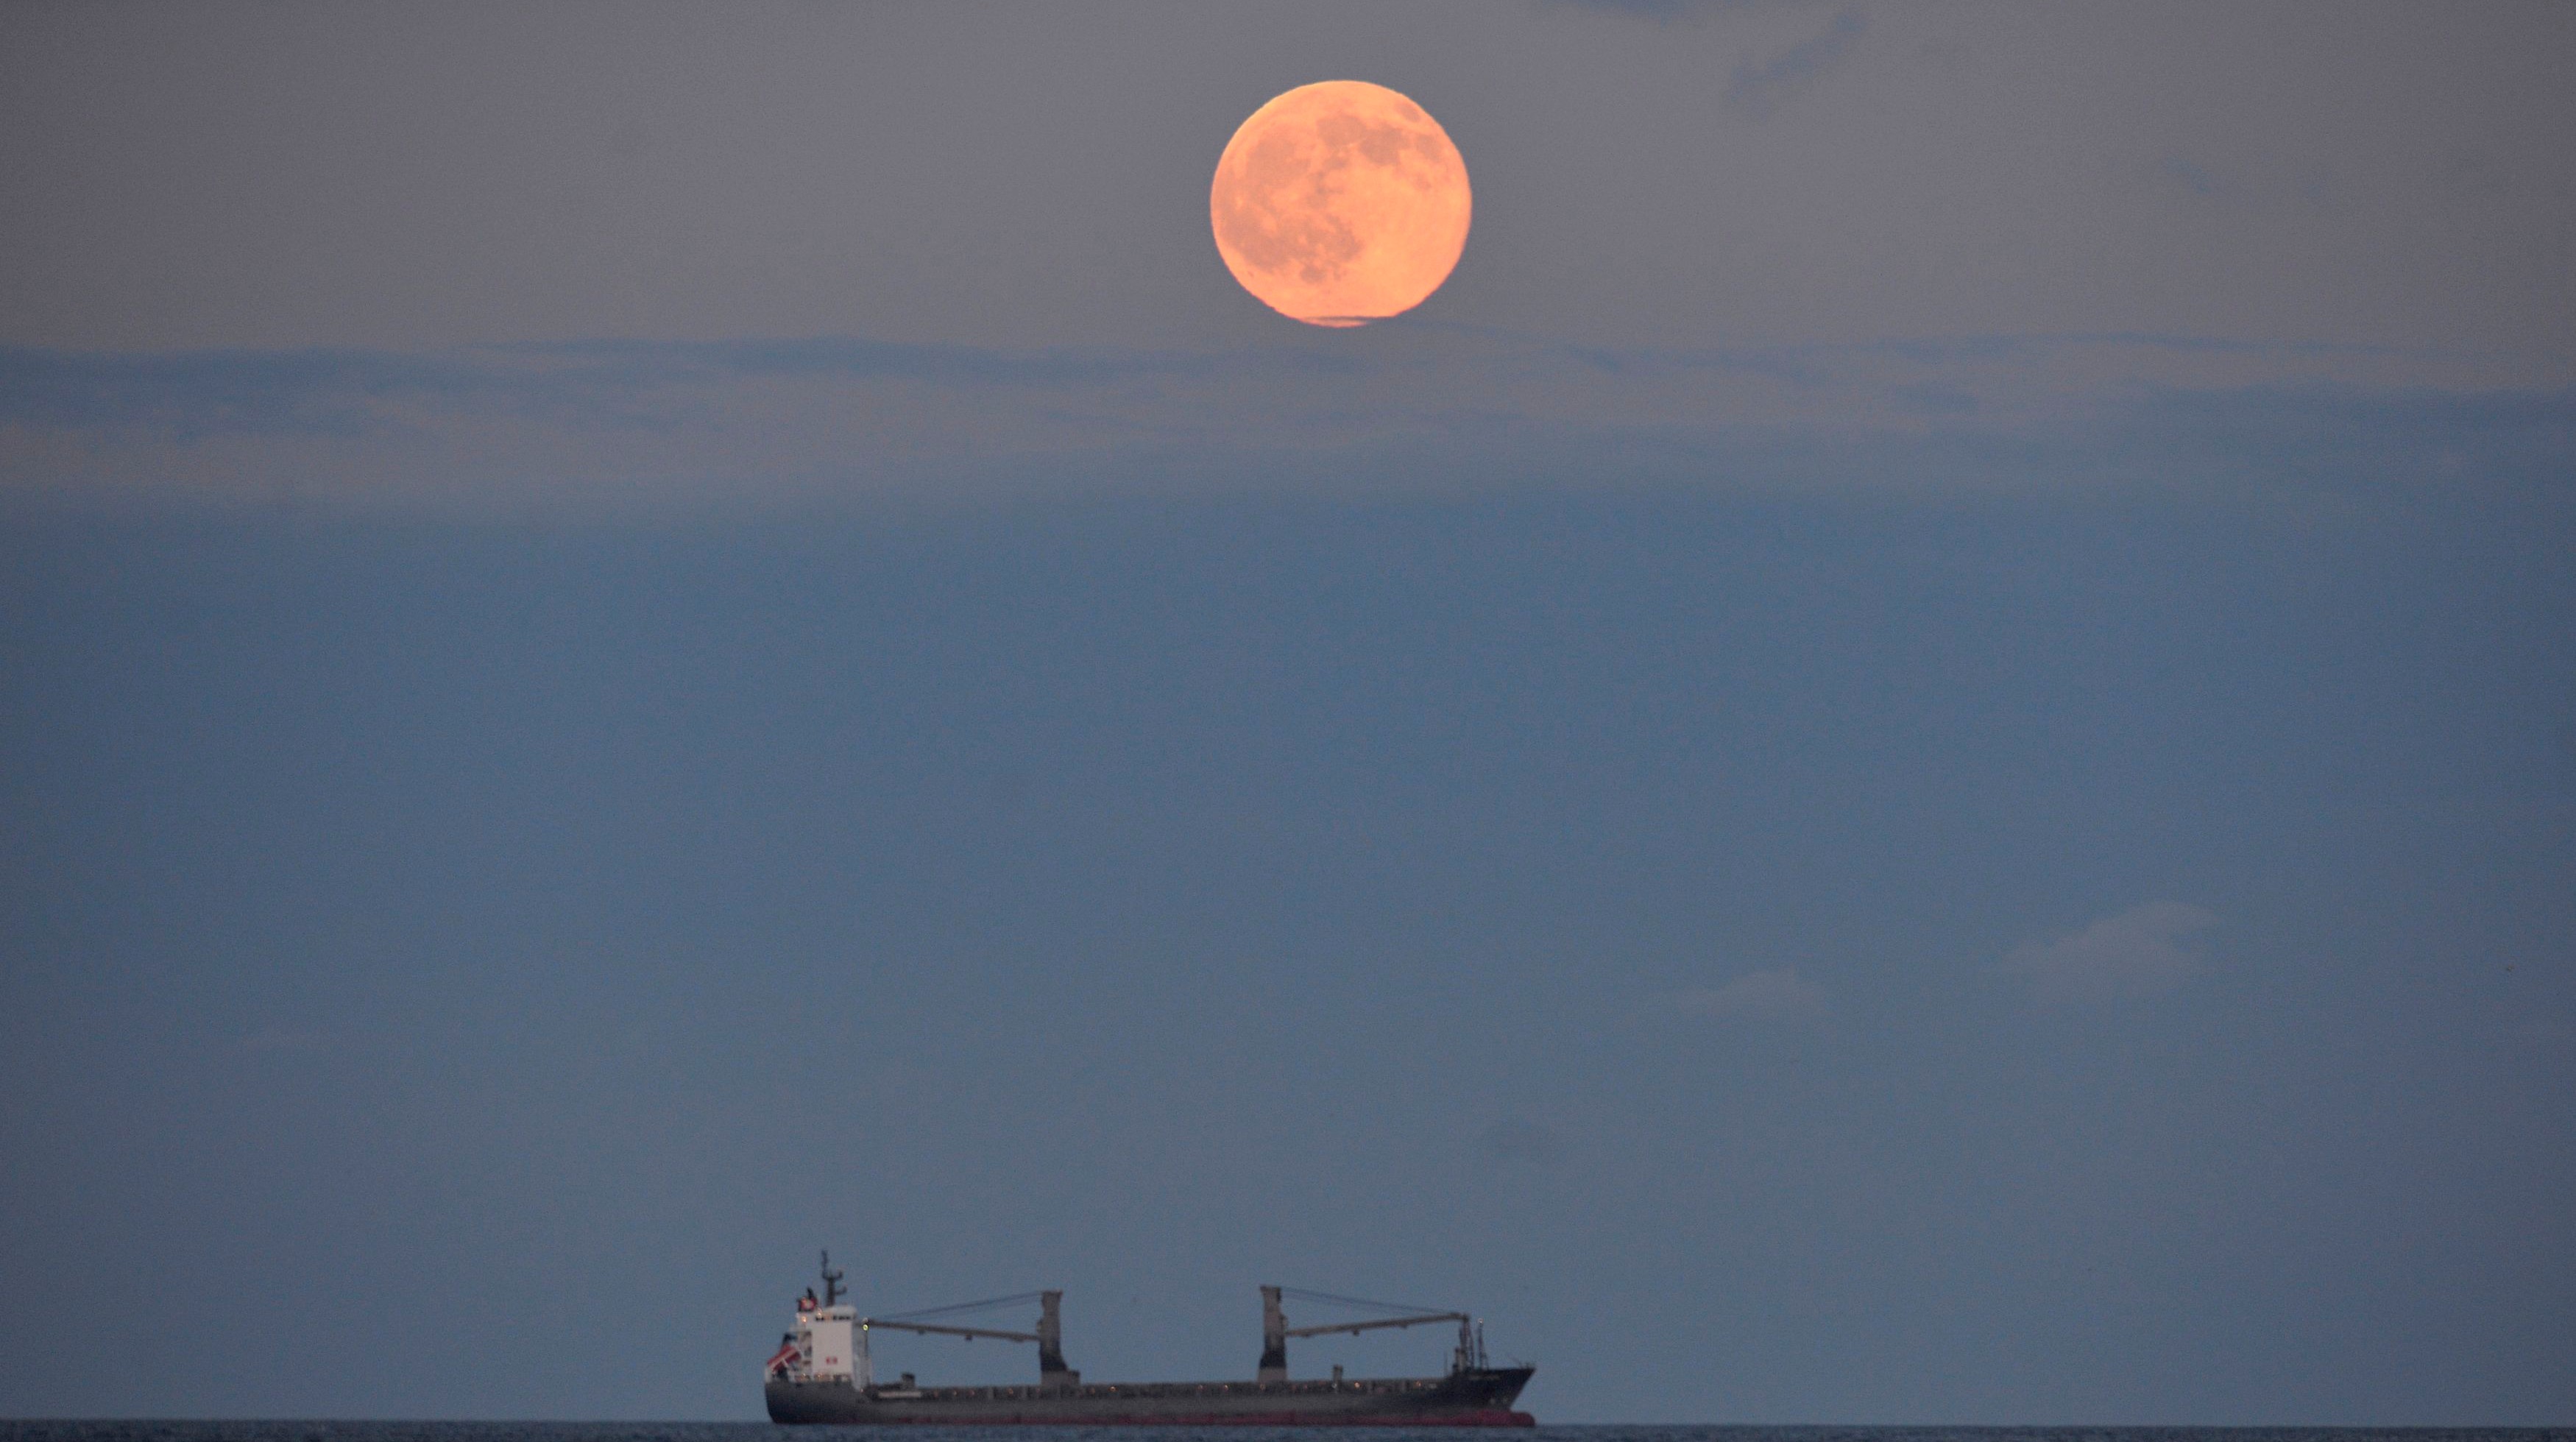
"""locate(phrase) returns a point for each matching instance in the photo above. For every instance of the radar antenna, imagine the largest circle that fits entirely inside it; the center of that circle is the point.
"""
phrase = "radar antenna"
(831, 1281)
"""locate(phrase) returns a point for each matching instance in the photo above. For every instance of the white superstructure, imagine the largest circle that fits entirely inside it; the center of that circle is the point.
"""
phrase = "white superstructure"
(828, 1344)
(827, 1339)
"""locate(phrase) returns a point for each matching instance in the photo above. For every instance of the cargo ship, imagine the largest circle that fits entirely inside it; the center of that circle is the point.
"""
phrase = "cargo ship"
(822, 1373)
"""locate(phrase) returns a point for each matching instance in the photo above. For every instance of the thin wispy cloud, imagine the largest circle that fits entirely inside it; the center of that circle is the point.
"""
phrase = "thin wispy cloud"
(2547, 1031)
(625, 422)
(1664, 12)
(1761, 995)
(1756, 91)
(2192, 176)
(1518, 1139)
(2144, 951)
(290, 1040)
(190, 395)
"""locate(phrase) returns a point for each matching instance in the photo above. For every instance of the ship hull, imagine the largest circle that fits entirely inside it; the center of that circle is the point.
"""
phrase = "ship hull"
(1479, 1398)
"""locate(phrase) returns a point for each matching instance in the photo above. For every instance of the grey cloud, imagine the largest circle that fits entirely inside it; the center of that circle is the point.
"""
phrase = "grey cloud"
(2193, 176)
(2140, 952)
(1758, 91)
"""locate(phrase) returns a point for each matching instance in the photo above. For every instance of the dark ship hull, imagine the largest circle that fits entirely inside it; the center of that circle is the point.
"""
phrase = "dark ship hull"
(1480, 1397)
(823, 1372)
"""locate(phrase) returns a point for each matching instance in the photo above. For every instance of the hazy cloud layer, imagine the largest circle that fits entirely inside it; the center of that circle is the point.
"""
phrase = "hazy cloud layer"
(1406, 408)
(2140, 952)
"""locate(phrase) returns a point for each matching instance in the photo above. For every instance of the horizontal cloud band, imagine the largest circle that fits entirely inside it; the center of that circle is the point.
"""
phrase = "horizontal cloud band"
(1406, 406)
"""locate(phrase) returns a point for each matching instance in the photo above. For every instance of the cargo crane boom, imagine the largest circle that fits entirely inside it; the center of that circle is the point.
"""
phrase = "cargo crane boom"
(1053, 1374)
(1275, 1331)
(934, 1329)
(1355, 1328)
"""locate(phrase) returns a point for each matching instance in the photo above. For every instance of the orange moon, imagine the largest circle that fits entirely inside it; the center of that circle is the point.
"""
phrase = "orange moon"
(1340, 203)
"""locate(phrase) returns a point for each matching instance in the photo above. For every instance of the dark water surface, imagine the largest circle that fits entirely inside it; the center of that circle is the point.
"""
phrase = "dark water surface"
(249, 1431)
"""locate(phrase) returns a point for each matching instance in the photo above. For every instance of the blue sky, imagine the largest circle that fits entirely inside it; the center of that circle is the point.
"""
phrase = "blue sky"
(1910, 759)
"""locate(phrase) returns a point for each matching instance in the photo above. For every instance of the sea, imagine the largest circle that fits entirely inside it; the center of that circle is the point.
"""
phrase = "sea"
(250, 1431)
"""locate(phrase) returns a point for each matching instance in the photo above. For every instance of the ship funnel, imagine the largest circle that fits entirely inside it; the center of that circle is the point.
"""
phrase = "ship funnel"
(1052, 1373)
(1274, 1338)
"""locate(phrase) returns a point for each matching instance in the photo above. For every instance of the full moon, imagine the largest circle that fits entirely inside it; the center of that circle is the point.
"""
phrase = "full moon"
(1340, 203)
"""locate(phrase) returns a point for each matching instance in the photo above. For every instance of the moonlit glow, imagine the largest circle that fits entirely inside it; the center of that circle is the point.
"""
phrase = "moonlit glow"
(1340, 203)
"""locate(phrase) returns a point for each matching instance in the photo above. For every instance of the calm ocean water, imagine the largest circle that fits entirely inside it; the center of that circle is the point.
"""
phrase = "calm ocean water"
(162, 1431)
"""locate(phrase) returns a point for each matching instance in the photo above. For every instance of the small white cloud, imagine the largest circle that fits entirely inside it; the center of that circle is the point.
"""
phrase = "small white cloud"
(2140, 952)
(1780, 993)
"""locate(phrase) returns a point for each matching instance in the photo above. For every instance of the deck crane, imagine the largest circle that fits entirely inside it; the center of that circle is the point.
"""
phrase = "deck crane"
(1052, 1373)
(1275, 1330)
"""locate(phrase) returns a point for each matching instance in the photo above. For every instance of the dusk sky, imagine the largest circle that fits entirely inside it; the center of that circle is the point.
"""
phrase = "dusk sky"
(1911, 757)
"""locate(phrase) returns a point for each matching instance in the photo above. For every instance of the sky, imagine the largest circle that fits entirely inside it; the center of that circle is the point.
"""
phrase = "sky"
(1911, 758)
